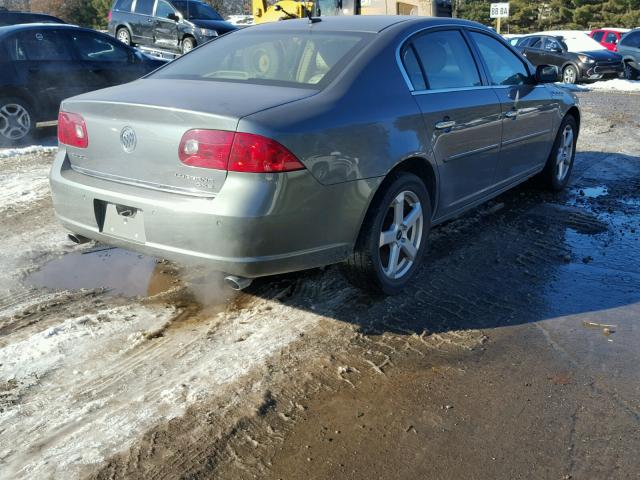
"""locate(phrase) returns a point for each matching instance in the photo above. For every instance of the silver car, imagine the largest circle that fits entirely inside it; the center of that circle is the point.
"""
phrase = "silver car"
(297, 144)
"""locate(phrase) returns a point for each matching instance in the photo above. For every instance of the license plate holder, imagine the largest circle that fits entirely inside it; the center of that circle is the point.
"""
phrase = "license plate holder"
(124, 222)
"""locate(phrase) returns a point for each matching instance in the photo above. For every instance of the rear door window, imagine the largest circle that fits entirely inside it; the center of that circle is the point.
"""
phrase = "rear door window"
(598, 36)
(611, 38)
(145, 7)
(504, 67)
(39, 45)
(123, 5)
(285, 58)
(446, 60)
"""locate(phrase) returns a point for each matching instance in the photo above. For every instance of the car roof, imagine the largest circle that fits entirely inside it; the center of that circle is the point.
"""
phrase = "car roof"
(359, 23)
(611, 29)
(33, 26)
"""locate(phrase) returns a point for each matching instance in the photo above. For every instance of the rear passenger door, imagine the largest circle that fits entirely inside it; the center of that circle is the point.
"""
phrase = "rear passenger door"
(143, 25)
(461, 116)
(528, 109)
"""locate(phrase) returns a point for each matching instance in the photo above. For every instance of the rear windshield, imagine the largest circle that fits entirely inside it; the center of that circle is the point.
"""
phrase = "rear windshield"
(284, 58)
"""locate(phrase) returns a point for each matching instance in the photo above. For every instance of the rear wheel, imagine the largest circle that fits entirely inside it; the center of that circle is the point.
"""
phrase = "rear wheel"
(16, 120)
(570, 74)
(124, 36)
(393, 238)
(188, 44)
(557, 171)
(630, 73)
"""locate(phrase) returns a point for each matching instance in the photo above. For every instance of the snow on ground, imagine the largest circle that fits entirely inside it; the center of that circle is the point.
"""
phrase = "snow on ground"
(617, 85)
(24, 185)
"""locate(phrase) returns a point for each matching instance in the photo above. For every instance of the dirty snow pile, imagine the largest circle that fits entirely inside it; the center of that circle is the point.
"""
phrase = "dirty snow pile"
(32, 150)
(615, 85)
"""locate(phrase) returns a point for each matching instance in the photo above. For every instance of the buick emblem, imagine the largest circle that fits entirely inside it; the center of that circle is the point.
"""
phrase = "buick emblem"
(128, 139)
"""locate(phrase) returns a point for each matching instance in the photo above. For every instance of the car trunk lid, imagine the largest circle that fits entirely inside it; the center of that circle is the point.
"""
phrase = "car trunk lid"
(135, 130)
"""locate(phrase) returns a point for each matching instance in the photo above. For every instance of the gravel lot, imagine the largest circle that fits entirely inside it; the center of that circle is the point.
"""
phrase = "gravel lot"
(514, 354)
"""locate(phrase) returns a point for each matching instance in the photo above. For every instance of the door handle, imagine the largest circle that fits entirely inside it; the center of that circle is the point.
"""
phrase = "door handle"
(149, 20)
(511, 114)
(445, 124)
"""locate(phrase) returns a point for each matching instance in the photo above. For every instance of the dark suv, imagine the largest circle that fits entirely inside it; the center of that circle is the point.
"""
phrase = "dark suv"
(629, 48)
(574, 67)
(167, 25)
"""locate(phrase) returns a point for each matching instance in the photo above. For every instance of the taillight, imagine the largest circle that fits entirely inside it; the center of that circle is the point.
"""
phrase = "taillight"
(110, 15)
(72, 130)
(237, 152)
(206, 148)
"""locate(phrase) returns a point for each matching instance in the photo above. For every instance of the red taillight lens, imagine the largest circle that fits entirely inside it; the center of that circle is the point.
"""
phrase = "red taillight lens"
(206, 148)
(72, 130)
(238, 152)
(110, 15)
(258, 154)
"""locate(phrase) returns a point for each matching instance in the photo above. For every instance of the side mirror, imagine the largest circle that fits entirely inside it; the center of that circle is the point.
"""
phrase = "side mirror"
(174, 17)
(277, 7)
(547, 73)
(557, 50)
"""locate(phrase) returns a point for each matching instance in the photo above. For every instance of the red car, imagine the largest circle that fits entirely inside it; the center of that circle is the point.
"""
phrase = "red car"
(608, 37)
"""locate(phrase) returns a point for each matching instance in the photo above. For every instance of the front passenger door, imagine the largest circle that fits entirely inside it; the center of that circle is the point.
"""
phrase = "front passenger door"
(166, 29)
(461, 116)
(528, 110)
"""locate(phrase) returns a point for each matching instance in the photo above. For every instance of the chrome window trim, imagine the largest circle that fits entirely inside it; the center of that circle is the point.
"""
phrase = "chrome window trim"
(456, 26)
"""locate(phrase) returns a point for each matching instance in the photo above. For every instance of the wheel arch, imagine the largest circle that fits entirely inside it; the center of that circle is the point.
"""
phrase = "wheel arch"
(10, 91)
(416, 165)
(575, 113)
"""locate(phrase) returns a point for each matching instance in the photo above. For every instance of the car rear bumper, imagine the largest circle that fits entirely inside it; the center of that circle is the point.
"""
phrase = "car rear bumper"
(256, 225)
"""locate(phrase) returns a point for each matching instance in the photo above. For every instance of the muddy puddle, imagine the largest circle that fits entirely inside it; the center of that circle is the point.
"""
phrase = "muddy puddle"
(117, 271)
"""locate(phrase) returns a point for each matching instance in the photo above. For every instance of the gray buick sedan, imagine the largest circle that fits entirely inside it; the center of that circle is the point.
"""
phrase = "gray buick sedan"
(297, 144)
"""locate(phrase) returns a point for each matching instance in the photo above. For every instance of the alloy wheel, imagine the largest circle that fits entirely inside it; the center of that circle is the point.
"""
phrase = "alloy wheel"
(569, 75)
(123, 36)
(401, 235)
(15, 121)
(564, 156)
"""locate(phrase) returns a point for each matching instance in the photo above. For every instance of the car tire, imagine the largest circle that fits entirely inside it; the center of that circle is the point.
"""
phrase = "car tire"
(17, 121)
(630, 73)
(188, 44)
(124, 36)
(570, 74)
(399, 219)
(559, 166)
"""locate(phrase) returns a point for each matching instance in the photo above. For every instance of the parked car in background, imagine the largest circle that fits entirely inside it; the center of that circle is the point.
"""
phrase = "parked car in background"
(629, 48)
(271, 149)
(577, 59)
(608, 37)
(171, 25)
(40, 65)
(8, 17)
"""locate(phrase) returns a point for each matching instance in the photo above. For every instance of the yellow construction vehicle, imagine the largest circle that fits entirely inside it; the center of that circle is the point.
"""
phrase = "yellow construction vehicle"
(288, 9)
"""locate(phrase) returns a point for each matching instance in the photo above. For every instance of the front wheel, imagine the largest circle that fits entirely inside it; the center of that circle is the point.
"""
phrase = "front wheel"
(393, 239)
(557, 171)
(188, 44)
(570, 74)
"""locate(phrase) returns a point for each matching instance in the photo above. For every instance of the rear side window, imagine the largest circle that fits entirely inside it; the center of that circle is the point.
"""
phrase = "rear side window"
(598, 36)
(96, 48)
(47, 45)
(412, 68)
(505, 68)
(284, 58)
(446, 60)
(123, 5)
(145, 7)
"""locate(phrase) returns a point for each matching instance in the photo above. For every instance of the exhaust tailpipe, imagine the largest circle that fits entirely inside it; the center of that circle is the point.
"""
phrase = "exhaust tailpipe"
(237, 283)
(77, 238)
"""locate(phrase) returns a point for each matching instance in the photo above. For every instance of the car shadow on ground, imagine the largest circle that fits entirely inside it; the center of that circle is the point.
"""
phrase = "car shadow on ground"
(526, 256)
